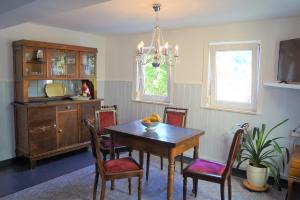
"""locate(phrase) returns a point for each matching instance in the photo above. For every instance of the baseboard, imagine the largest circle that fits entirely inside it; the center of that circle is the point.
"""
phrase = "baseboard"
(8, 162)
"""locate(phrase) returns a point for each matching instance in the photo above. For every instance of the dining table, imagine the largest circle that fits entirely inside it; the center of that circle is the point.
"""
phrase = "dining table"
(166, 140)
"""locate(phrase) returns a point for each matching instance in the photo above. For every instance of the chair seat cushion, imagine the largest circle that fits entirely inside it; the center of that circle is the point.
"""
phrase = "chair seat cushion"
(120, 165)
(106, 143)
(201, 166)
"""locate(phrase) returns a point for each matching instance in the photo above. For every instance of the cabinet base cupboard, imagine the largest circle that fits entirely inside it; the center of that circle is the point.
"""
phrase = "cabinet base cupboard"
(48, 126)
(49, 129)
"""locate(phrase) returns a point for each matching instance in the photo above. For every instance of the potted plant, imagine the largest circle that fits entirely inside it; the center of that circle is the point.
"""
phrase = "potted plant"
(263, 154)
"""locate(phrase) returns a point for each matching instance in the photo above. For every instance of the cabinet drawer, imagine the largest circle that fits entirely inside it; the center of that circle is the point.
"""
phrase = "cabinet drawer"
(67, 107)
(41, 117)
(295, 172)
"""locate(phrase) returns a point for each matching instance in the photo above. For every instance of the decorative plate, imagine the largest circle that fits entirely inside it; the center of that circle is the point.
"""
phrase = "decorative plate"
(80, 98)
(55, 90)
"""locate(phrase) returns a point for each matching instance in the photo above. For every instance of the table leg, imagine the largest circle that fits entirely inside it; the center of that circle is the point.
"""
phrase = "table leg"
(141, 159)
(171, 159)
(196, 151)
(196, 155)
(112, 149)
(112, 156)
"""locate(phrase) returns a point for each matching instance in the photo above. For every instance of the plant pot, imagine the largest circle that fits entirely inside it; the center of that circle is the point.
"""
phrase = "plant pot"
(257, 176)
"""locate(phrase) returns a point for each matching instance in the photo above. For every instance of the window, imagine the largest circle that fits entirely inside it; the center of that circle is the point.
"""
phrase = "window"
(153, 84)
(233, 79)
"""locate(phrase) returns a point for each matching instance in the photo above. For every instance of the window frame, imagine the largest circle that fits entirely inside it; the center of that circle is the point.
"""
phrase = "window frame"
(210, 95)
(139, 94)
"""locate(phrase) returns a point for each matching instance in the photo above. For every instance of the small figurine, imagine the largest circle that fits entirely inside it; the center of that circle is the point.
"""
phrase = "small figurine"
(85, 90)
(39, 55)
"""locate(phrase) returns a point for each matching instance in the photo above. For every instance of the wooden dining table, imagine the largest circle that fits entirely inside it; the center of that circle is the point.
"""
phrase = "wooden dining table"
(166, 140)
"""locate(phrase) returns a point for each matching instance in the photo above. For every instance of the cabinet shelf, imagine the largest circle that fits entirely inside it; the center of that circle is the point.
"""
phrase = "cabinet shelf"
(35, 62)
(282, 85)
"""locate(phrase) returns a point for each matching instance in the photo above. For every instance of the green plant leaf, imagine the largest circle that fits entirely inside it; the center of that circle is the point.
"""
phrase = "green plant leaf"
(240, 162)
(263, 128)
(277, 125)
(255, 131)
(287, 155)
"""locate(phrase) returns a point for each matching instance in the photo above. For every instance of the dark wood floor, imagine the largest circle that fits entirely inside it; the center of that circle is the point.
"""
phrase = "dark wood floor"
(15, 175)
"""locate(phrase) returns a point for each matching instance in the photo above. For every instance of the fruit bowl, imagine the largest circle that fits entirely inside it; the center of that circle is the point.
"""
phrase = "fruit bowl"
(149, 125)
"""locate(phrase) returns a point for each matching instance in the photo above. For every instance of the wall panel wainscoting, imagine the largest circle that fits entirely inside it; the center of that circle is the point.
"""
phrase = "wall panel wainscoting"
(277, 105)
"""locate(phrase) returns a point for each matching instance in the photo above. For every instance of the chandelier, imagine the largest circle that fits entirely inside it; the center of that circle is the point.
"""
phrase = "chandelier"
(155, 53)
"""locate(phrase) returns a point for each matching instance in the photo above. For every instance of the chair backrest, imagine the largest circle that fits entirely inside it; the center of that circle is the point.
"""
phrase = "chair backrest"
(235, 147)
(106, 116)
(95, 146)
(175, 116)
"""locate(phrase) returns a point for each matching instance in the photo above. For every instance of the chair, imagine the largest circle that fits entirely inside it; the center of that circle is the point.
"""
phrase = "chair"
(112, 169)
(107, 116)
(212, 171)
(176, 117)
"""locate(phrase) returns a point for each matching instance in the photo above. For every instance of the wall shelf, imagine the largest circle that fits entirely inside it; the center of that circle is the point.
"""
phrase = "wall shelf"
(282, 85)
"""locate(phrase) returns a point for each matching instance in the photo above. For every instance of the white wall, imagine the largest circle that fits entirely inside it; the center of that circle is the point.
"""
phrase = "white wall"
(277, 104)
(193, 43)
(42, 33)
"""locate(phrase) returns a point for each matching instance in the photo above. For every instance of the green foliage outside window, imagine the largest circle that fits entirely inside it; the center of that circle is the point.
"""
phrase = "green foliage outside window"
(156, 80)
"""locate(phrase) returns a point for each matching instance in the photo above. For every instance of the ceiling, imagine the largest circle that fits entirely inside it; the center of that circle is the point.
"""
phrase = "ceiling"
(131, 16)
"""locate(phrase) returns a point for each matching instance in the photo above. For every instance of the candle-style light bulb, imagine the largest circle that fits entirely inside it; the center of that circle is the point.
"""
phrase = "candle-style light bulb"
(140, 47)
(166, 48)
(160, 49)
(176, 51)
(166, 45)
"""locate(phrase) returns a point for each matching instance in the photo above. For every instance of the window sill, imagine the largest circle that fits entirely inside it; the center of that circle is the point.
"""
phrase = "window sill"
(152, 102)
(232, 110)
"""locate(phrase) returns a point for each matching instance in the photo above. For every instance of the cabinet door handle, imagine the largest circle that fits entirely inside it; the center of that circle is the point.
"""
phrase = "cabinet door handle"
(54, 125)
(68, 107)
(60, 131)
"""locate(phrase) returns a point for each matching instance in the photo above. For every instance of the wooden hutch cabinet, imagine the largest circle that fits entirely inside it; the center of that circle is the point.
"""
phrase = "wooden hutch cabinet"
(47, 126)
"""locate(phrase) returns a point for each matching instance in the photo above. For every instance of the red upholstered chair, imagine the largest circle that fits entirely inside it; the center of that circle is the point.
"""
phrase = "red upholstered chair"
(112, 169)
(107, 116)
(176, 117)
(212, 171)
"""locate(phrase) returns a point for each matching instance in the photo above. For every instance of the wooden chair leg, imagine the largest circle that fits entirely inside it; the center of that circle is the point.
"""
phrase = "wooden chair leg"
(184, 187)
(161, 162)
(229, 187)
(140, 188)
(104, 156)
(195, 185)
(181, 162)
(129, 186)
(222, 191)
(103, 187)
(118, 155)
(95, 183)
(112, 184)
(130, 153)
(148, 165)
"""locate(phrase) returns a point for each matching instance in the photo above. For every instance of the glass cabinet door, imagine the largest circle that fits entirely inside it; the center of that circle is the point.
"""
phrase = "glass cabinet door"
(87, 64)
(63, 64)
(34, 62)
